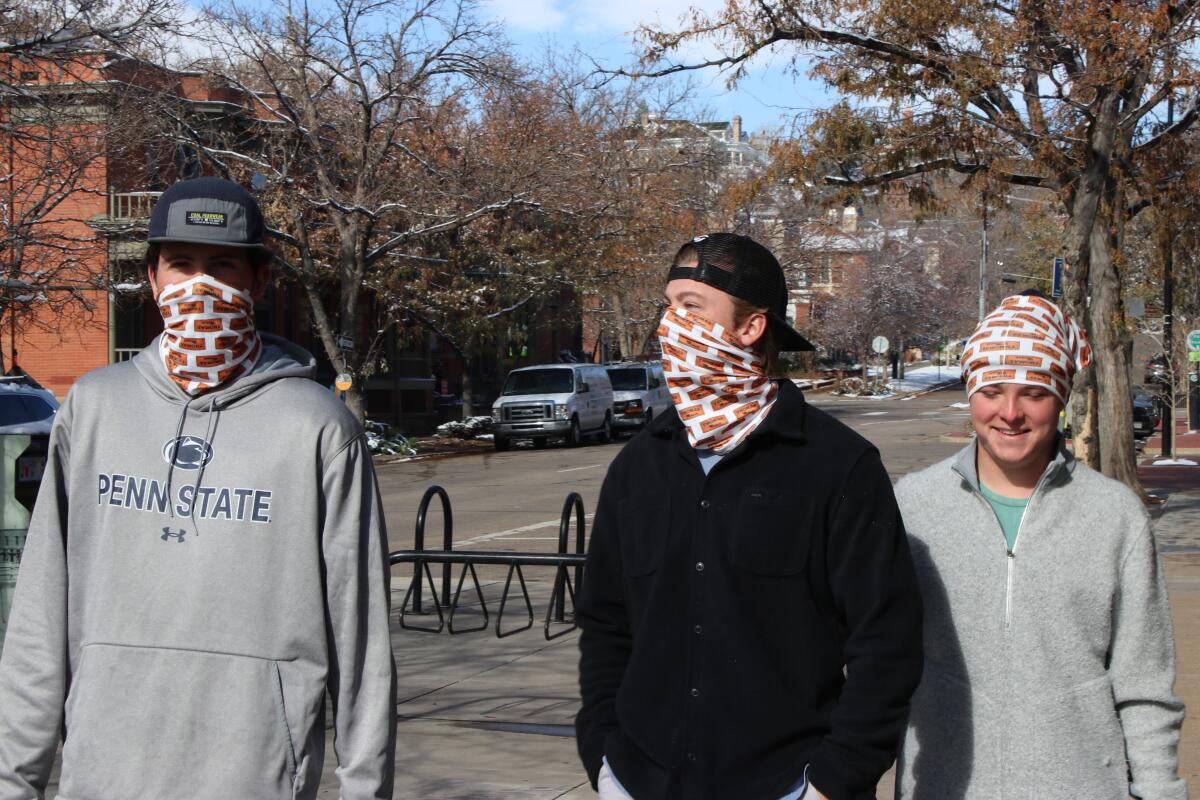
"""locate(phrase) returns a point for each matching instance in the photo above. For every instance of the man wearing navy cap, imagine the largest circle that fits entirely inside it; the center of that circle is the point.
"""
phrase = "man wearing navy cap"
(207, 558)
(751, 622)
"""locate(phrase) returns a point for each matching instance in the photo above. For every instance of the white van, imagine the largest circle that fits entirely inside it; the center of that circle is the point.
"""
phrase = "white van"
(639, 393)
(554, 401)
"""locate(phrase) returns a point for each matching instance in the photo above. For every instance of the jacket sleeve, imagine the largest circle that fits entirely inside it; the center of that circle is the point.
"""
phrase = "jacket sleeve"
(34, 665)
(606, 642)
(362, 677)
(1142, 671)
(876, 598)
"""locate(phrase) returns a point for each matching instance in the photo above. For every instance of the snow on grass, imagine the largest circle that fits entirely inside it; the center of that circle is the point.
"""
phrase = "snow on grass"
(1174, 462)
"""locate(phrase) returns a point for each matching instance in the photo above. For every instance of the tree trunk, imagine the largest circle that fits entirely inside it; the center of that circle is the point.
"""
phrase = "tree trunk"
(1112, 346)
(468, 407)
(1083, 201)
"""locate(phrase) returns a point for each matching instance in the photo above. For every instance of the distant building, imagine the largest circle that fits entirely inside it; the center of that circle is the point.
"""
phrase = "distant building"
(105, 213)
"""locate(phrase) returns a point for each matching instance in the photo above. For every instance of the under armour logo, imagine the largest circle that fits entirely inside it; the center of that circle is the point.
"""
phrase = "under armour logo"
(178, 535)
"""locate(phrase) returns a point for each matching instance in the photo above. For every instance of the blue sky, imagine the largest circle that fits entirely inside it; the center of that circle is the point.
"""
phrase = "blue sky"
(768, 97)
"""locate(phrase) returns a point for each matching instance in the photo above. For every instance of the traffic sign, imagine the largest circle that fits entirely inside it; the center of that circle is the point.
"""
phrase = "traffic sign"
(343, 381)
(880, 344)
(1194, 340)
(1194, 356)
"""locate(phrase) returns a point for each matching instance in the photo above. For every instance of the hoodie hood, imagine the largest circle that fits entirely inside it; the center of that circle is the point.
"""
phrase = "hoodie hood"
(280, 359)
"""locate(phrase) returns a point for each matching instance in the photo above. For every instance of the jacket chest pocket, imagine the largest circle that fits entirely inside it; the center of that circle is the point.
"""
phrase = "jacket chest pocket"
(644, 523)
(772, 532)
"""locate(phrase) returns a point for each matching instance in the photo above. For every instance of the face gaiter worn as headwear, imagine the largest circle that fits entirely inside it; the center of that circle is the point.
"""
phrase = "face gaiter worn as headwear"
(1027, 340)
(721, 390)
(209, 338)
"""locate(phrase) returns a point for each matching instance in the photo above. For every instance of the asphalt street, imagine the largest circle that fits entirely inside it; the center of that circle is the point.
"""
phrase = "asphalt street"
(513, 500)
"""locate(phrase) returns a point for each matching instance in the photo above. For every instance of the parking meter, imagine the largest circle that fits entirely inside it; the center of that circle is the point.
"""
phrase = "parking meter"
(22, 463)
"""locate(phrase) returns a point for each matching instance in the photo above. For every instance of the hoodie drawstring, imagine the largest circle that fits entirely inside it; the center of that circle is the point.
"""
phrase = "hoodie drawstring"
(214, 416)
(175, 454)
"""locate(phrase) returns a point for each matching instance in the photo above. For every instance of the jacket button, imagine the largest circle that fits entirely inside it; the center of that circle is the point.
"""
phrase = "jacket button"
(695, 692)
(705, 504)
(699, 566)
(699, 630)
(691, 757)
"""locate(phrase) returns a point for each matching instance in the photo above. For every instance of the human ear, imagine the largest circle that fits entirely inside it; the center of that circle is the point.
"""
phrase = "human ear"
(752, 329)
(150, 276)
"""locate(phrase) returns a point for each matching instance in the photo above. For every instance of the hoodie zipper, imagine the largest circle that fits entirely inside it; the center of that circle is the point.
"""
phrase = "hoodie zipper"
(1012, 556)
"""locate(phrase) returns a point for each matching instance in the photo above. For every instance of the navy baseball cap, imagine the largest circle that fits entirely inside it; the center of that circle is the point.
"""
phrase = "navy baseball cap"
(208, 211)
(740, 266)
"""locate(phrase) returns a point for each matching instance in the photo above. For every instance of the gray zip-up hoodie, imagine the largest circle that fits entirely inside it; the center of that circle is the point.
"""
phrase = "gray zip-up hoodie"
(198, 572)
(1049, 670)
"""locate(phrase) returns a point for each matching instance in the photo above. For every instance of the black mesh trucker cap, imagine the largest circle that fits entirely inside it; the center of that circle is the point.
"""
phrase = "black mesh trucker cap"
(207, 211)
(742, 267)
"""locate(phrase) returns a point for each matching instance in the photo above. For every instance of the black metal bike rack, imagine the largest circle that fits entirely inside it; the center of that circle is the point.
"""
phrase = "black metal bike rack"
(421, 559)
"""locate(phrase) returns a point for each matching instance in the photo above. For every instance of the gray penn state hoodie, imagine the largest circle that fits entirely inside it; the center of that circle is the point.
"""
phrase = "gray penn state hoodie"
(198, 572)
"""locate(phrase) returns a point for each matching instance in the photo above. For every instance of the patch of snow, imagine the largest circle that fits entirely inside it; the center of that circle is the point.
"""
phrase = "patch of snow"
(1174, 462)
(469, 428)
(385, 440)
(959, 405)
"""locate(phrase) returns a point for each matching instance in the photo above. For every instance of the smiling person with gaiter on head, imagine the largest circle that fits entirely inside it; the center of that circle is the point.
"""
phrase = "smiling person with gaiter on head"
(750, 619)
(207, 557)
(1049, 654)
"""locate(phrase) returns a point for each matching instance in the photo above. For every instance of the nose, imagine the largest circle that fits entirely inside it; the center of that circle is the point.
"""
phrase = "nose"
(1010, 409)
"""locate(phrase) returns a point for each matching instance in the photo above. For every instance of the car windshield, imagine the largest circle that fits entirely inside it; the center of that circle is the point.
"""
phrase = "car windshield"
(627, 379)
(539, 381)
(17, 409)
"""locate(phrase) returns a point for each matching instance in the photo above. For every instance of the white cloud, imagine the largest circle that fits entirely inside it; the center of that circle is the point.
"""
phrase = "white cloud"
(536, 16)
(622, 16)
(591, 17)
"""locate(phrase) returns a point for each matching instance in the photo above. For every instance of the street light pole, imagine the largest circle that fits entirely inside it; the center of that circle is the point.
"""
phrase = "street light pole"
(1168, 256)
(983, 258)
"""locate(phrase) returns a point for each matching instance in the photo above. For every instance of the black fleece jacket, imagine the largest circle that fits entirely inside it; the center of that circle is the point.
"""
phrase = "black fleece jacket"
(741, 625)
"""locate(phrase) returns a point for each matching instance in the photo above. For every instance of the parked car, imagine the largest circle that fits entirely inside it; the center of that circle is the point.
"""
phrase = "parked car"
(639, 394)
(26, 409)
(1158, 372)
(1147, 414)
(554, 401)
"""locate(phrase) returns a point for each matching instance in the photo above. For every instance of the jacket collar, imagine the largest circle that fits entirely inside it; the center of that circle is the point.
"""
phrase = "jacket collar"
(1063, 463)
(785, 420)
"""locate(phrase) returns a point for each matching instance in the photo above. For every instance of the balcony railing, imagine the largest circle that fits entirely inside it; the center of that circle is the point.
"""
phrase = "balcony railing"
(130, 206)
(124, 353)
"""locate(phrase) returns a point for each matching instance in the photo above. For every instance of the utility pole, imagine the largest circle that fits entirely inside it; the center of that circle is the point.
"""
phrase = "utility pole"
(983, 258)
(1168, 256)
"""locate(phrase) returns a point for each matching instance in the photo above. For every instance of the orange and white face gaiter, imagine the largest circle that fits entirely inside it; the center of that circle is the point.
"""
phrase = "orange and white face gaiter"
(1027, 340)
(209, 338)
(721, 390)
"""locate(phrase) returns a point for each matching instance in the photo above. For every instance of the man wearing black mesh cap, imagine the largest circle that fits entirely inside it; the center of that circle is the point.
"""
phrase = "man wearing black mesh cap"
(751, 622)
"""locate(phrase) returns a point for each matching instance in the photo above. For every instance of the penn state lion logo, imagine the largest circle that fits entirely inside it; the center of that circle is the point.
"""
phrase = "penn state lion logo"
(187, 452)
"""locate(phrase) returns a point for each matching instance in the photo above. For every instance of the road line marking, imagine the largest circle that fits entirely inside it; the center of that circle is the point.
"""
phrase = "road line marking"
(574, 469)
(536, 526)
(873, 414)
